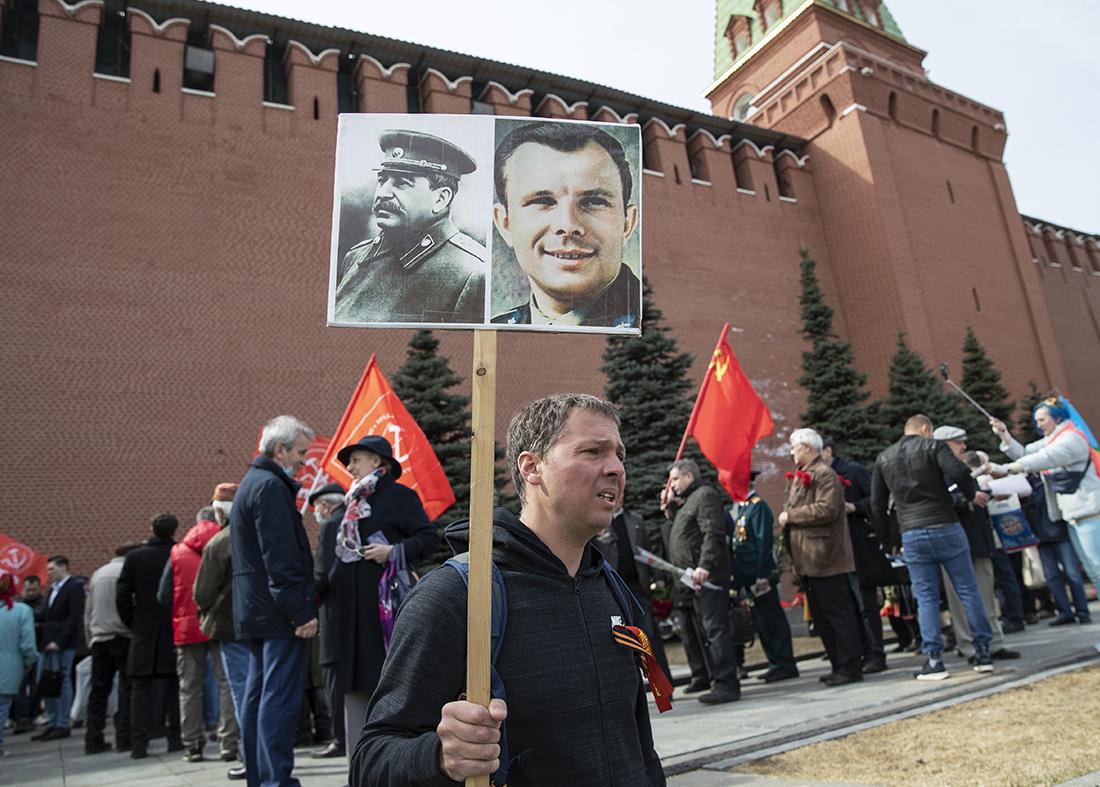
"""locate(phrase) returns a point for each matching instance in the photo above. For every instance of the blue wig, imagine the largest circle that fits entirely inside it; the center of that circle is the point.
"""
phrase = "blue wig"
(1053, 406)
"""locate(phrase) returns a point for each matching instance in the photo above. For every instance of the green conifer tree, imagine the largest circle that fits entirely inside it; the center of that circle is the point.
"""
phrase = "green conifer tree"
(647, 379)
(1026, 430)
(982, 381)
(424, 384)
(914, 389)
(835, 389)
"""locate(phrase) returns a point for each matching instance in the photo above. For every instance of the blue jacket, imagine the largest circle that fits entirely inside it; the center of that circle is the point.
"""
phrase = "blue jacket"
(273, 590)
(17, 647)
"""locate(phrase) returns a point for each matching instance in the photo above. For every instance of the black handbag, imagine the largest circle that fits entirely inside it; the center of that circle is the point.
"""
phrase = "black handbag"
(741, 628)
(1065, 482)
(50, 680)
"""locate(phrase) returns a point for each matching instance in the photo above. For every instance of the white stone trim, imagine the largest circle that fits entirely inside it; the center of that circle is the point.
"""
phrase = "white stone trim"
(451, 86)
(801, 162)
(110, 77)
(716, 142)
(652, 172)
(314, 59)
(760, 152)
(18, 61)
(853, 108)
(513, 98)
(750, 192)
(71, 10)
(672, 132)
(627, 119)
(699, 182)
(1054, 264)
(239, 43)
(386, 72)
(569, 108)
(159, 29)
(787, 199)
(192, 92)
(277, 105)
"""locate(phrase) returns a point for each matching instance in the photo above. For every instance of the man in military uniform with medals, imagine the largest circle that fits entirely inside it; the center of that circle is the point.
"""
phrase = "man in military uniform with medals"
(419, 267)
(755, 572)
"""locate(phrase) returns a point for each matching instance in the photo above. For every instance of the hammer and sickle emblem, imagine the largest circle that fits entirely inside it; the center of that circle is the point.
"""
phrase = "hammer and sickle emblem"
(720, 363)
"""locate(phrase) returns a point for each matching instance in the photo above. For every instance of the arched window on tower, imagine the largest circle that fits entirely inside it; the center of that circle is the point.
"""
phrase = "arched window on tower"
(871, 14)
(742, 107)
(844, 5)
(768, 12)
(829, 109)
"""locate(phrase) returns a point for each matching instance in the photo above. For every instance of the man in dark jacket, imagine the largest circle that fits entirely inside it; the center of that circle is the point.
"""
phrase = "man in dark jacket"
(62, 636)
(274, 611)
(151, 655)
(872, 567)
(698, 541)
(912, 472)
(328, 510)
(576, 711)
(756, 573)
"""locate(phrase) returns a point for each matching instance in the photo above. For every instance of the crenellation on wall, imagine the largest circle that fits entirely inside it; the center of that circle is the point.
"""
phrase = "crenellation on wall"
(66, 50)
(554, 106)
(504, 101)
(381, 88)
(311, 87)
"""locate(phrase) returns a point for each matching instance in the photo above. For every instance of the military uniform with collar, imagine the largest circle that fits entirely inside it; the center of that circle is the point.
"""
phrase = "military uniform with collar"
(432, 274)
(616, 307)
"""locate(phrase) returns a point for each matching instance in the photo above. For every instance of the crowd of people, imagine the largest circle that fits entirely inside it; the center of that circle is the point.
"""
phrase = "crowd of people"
(240, 633)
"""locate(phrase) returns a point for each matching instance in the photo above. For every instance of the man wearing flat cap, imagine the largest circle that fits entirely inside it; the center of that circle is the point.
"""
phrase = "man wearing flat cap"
(418, 267)
(381, 516)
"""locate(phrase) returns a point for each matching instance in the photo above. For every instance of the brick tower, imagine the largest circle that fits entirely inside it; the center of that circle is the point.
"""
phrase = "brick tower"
(920, 221)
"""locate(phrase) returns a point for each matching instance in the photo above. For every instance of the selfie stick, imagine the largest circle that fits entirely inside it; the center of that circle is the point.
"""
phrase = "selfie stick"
(949, 381)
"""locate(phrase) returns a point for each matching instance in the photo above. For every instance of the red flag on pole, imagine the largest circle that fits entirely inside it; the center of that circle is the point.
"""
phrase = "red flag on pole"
(21, 560)
(728, 418)
(374, 409)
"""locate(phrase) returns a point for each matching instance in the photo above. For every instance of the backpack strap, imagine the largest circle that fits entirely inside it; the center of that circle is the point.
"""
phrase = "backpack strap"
(461, 564)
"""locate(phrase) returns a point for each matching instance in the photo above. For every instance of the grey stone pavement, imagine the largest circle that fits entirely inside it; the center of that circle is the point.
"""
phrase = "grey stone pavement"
(698, 744)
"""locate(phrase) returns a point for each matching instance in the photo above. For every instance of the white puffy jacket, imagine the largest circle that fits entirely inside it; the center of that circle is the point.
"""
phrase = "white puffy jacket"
(1063, 449)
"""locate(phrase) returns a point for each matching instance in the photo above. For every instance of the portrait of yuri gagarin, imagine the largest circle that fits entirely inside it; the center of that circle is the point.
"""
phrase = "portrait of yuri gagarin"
(409, 262)
(566, 214)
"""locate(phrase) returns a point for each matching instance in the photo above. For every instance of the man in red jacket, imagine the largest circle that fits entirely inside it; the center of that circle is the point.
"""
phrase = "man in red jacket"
(193, 646)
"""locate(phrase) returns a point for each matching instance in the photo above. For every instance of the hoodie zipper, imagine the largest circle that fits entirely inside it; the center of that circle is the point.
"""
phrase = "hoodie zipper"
(596, 680)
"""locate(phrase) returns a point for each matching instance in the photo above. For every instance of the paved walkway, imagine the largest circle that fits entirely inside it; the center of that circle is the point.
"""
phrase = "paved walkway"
(698, 744)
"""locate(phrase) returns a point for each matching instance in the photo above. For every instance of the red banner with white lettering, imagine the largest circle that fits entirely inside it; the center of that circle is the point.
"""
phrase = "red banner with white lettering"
(374, 409)
(21, 560)
(311, 476)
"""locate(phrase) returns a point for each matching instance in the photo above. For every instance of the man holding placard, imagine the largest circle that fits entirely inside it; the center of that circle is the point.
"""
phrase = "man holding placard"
(576, 711)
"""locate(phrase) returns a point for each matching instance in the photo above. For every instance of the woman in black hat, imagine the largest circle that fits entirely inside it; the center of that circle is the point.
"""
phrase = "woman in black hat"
(381, 514)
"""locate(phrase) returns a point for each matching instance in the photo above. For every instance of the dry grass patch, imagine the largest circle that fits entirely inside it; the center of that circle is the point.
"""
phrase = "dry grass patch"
(1040, 734)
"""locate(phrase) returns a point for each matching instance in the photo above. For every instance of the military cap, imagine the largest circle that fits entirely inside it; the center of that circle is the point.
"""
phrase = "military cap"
(422, 154)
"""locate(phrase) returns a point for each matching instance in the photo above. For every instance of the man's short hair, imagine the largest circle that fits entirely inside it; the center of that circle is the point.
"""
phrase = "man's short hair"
(32, 579)
(206, 514)
(164, 525)
(686, 466)
(331, 497)
(828, 442)
(538, 426)
(564, 138)
(59, 560)
(917, 422)
(437, 180)
(282, 430)
(807, 437)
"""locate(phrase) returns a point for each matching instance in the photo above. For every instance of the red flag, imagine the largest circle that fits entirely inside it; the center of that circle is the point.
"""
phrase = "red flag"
(310, 476)
(374, 409)
(728, 418)
(21, 560)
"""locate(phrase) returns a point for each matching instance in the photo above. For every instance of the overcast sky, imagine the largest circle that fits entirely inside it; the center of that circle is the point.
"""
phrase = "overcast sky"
(1036, 62)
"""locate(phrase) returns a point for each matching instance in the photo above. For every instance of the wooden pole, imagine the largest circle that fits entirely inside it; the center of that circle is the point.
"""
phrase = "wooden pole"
(482, 472)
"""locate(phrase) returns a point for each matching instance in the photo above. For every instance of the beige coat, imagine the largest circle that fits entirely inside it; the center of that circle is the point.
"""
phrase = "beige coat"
(817, 524)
